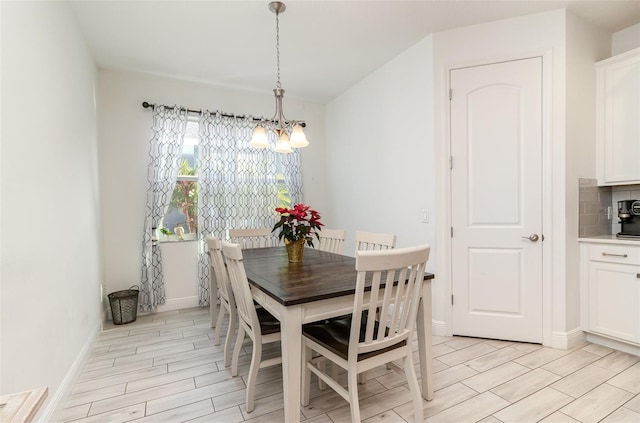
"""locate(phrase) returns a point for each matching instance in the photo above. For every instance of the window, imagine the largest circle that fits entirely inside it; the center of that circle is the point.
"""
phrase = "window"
(180, 222)
(246, 184)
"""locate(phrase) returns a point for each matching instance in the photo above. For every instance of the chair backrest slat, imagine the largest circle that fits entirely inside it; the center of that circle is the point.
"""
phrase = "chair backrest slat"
(240, 286)
(395, 277)
(219, 271)
(331, 240)
(252, 238)
(374, 241)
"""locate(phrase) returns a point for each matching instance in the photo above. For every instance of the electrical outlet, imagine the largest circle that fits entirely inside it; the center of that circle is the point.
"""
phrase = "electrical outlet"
(609, 212)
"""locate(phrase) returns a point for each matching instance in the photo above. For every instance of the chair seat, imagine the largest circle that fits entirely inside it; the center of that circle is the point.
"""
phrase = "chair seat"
(333, 334)
(268, 323)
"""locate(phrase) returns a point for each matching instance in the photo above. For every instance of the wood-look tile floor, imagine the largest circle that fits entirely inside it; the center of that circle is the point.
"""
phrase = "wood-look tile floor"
(165, 368)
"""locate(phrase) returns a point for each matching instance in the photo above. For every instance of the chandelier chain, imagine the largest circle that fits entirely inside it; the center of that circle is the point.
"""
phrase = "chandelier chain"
(289, 133)
(278, 85)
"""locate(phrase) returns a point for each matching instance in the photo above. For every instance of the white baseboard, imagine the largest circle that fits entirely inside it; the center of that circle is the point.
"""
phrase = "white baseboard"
(169, 305)
(439, 328)
(176, 304)
(59, 399)
(613, 343)
(566, 340)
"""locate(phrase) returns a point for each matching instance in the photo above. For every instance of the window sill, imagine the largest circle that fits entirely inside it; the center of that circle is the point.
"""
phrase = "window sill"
(173, 239)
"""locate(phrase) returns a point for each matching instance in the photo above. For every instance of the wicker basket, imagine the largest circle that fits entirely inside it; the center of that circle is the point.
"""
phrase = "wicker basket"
(124, 305)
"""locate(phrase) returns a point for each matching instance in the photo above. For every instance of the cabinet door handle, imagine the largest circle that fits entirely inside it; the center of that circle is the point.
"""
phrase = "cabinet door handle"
(615, 255)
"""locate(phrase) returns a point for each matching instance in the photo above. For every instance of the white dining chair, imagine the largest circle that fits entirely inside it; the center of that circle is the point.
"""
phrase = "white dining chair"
(362, 342)
(257, 323)
(331, 240)
(369, 241)
(374, 241)
(252, 238)
(227, 300)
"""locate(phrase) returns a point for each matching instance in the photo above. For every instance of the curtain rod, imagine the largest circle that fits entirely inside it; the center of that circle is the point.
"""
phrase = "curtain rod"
(151, 106)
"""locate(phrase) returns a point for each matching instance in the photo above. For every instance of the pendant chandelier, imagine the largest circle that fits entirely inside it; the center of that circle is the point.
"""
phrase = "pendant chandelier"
(289, 133)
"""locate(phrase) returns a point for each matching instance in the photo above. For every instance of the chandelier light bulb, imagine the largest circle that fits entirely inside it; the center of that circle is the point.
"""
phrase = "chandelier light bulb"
(259, 137)
(283, 145)
(298, 138)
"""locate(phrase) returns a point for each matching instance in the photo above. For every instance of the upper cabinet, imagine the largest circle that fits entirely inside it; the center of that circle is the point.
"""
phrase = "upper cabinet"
(618, 119)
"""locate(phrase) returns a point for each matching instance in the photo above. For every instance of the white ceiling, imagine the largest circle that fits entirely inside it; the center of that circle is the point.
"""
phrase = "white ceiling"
(326, 46)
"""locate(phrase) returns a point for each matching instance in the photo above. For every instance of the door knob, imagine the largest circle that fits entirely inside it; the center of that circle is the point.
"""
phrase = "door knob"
(532, 237)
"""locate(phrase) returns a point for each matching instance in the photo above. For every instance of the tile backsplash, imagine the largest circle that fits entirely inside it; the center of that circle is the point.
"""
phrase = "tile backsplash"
(595, 200)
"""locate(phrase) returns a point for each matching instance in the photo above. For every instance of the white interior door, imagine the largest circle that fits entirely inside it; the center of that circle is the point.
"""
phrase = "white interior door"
(496, 200)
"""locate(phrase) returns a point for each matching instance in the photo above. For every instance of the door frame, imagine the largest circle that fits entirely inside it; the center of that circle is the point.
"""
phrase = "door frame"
(443, 235)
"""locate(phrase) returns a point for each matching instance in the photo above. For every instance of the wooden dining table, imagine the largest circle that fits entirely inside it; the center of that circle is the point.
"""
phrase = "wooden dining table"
(320, 287)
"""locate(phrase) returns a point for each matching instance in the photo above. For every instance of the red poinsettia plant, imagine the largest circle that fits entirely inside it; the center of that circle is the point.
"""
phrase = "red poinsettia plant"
(299, 222)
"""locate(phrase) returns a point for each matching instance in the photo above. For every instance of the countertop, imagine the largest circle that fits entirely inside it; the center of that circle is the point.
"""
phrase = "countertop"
(610, 239)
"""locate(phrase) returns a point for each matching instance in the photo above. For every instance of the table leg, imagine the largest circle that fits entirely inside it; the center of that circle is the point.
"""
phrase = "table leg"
(424, 341)
(291, 325)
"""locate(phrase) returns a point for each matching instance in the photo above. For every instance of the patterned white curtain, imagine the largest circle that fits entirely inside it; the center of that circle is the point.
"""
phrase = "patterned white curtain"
(165, 150)
(238, 186)
(291, 170)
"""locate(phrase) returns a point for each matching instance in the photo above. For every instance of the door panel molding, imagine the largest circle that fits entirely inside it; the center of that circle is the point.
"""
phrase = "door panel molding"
(442, 317)
(496, 201)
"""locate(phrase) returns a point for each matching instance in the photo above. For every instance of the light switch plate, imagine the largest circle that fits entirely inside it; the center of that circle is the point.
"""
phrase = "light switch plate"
(424, 216)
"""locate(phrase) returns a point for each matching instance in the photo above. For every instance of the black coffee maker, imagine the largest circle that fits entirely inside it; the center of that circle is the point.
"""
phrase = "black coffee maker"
(629, 215)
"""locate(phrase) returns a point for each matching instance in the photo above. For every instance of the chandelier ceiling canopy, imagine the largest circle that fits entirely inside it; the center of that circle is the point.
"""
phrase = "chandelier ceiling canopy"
(289, 133)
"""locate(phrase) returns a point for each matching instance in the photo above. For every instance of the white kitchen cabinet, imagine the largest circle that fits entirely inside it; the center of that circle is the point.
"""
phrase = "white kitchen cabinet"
(610, 282)
(617, 119)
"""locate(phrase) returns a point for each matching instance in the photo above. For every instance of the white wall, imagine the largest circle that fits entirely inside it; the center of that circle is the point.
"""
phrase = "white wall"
(586, 45)
(387, 136)
(124, 131)
(531, 35)
(543, 34)
(51, 267)
(380, 169)
(626, 39)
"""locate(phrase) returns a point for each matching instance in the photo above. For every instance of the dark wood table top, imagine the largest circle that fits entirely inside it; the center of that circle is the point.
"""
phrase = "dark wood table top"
(320, 276)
